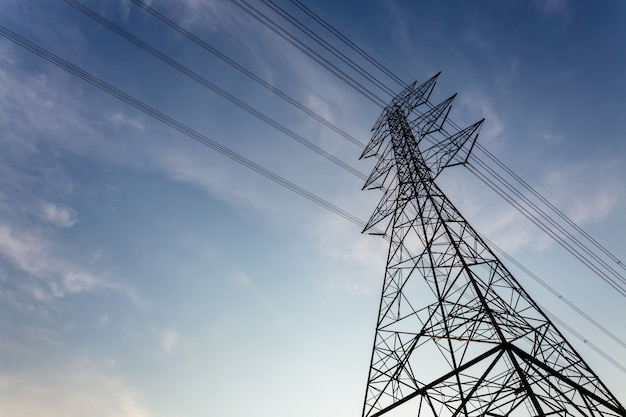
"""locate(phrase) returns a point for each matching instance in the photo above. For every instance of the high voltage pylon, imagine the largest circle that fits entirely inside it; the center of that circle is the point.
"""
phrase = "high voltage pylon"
(483, 347)
(480, 346)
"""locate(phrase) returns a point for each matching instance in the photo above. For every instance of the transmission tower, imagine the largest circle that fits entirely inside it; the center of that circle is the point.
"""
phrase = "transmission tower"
(476, 344)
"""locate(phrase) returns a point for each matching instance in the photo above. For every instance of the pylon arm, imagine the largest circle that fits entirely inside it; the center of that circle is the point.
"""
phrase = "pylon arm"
(432, 120)
(386, 207)
(445, 154)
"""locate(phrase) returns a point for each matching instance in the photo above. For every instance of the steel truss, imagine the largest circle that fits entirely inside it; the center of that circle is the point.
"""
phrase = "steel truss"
(481, 346)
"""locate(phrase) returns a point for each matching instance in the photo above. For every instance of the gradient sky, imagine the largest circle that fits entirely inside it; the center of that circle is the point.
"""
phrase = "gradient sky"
(144, 274)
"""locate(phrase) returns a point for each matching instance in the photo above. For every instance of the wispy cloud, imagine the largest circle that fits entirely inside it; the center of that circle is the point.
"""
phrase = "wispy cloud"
(52, 275)
(58, 215)
(479, 104)
(168, 339)
(588, 190)
(556, 12)
(551, 137)
(70, 392)
(245, 282)
(121, 120)
(215, 174)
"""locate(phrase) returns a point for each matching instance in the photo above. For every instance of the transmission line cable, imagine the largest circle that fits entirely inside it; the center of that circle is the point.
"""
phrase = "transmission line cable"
(586, 341)
(276, 28)
(541, 213)
(160, 16)
(554, 292)
(319, 40)
(182, 128)
(553, 207)
(208, 84)
(348, 42)
(363, 40)
(549, 232)
(521, 197)
(139, 105)
(254, 51)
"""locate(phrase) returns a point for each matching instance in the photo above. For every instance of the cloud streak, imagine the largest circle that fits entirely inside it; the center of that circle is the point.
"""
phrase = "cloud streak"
(59, 216)
(69, 393)
(168, 339)
(52, 276)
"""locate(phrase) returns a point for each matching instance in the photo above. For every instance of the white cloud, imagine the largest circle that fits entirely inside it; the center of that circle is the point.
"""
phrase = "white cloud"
(480, 104)
(125, 7)
(54, 276)
(217, 175)
(245, 282)
(104, 320)
(551, 138)
(121, 120)
(168, 339)
(69, 393)
(33, 255)
(588, 191)
(360, 258)
(58, 215)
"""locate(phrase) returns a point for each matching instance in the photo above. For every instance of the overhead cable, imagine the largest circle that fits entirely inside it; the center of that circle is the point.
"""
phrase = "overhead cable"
(184, 129)
(136, 103)
(211, 86)
(534, 215)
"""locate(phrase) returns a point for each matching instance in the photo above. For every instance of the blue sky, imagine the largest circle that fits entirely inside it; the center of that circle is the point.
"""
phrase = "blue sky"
(143, 274)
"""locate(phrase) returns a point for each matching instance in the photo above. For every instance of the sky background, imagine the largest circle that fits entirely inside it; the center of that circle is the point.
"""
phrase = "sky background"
(144, 274)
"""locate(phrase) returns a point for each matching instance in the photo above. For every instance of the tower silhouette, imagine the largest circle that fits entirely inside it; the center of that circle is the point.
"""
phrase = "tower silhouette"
(476, 344)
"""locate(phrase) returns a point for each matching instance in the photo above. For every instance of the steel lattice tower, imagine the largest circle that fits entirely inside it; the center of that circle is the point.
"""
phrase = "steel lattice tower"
(482, 347)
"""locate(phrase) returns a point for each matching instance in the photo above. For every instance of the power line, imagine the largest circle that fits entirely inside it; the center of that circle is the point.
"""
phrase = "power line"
(529, 215)
(542, 226)
(586, 341)
(534, 215)
(554, 292)
(521, 197)
(274, 27)
(348, 42)
(244, 70)
(319, 40)
(211, 86)
(138, 104)
(184, 129)
(547, 202)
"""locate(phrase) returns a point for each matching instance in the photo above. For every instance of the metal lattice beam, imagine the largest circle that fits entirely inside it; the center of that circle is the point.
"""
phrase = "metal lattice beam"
(479, 346)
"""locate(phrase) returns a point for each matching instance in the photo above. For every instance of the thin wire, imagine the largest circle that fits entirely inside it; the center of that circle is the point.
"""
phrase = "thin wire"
(136, 103)
(521, 197)
(547, 230)
(274, 27)
(182, 128)
(348, 42)
(320, 41)
(556, 293)
(552, 207)
(527, 186)
(542, 213)
(208, 84)
(586, 341)
(245, 71)
(590, 264)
